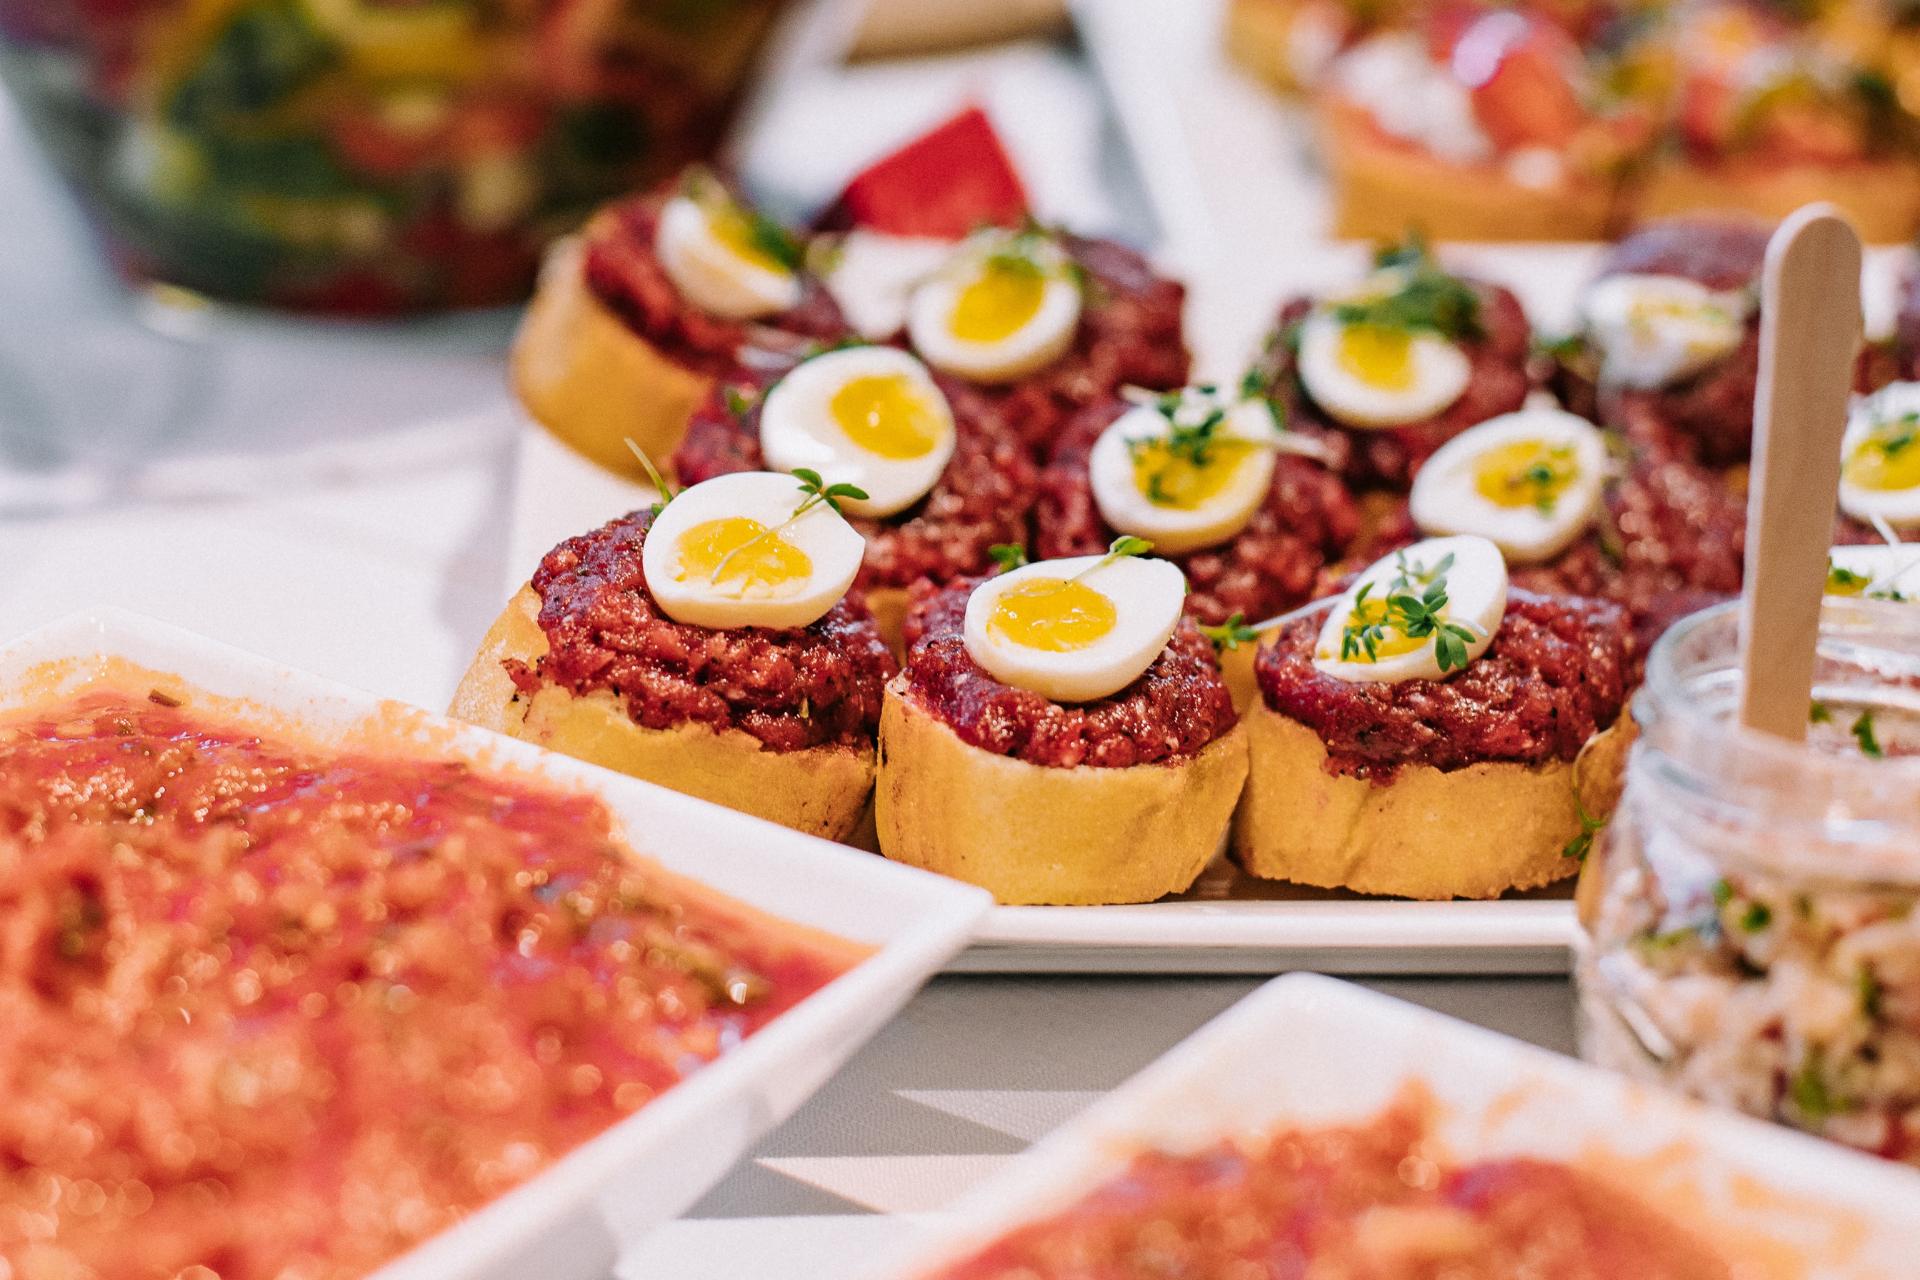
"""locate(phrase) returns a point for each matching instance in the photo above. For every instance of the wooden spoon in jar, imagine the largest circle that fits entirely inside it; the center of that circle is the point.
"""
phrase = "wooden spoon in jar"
(1809, 339)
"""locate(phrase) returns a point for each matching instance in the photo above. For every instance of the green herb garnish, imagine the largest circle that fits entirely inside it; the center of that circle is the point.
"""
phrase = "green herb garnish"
(667, 492)
(1231, 634)
(1819, 713)
(1119, 549)
(1863, 734)
(815, 492)
(1427, 298)
(1867, 992)
(1413, 616)
(1008, 555)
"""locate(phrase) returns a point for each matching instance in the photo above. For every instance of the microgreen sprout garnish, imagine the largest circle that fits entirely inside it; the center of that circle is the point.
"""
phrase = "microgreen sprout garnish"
(1819, 713)
(1121, 547)
(1844, 581)
(1425, 297)
(1196, 420)
(1008, 555)
(667, 492)
(762, 232)
(1413, 616)
(1541, 480)
(738, 400)
(1581, 845)
(815, 492)
(1867, 992)
(1862, 732)
(1231, 634)
(1894, 436)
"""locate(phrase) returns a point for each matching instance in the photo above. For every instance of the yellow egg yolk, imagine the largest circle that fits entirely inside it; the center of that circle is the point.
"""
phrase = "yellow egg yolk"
(998, 302)
(1388, 641)
(1170, 478)
(1525, 473)
(1057, 615)
(1889, 458)
(885, 414)
(1378, 356)
(1845, 582)
(741, 552)
(734, 227)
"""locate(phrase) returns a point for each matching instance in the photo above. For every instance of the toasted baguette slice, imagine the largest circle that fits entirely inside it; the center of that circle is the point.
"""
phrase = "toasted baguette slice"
(1881, 198)
(1034, 834)
(820, 790)
(591, 380)
(1466, 833)
(1382, 189)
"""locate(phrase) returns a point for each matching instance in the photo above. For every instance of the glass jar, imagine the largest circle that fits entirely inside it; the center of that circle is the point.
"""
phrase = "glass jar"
(1750, 933)
(367, 156)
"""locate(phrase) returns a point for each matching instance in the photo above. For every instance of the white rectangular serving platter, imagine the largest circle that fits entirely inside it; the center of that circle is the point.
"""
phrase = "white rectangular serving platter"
(573, 1219)
(1261, 928)
(1310, 1051)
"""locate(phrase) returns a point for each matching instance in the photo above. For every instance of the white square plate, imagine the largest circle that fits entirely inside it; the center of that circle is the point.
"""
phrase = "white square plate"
(1308, 1051)
(571, 1220)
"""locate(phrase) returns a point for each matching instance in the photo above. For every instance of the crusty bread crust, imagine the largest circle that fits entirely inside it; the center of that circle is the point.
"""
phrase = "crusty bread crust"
(1260, 39)
(1466, 833)
(1881, 199)
(822, 791)
(1040, 835)
(1381, 190)
(592, 381)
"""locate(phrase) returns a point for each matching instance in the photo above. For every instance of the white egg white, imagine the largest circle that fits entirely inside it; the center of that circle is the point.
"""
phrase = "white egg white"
(1176, 530)
(711, 273)
(1446, 500)
(1147, 596)
(1036, 344)
(872, 275)
(1653, 330)
(1889, 405)
(833, 547)
(1889, 572)
(1441, 372)
(1476, 590)
(798, 429)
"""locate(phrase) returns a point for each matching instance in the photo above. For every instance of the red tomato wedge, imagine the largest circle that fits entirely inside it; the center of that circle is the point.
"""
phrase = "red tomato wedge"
(945, 183)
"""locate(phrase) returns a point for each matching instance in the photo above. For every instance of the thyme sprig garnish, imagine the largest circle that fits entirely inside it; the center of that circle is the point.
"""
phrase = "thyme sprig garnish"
(667, 492)
(1231, 634)
(1427, 297)
(1119, 549)
(1414, 616)
(1008, 555)
(815, 492)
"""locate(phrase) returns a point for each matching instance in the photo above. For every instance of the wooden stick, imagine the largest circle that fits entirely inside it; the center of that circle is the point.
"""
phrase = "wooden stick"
(1809, 337)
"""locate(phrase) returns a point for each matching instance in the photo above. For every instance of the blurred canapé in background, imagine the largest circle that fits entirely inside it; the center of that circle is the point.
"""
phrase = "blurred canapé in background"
(367, 156)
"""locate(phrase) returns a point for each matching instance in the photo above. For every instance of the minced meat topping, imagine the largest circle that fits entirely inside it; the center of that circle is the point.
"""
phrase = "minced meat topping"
(816, 686)
(1555, 675)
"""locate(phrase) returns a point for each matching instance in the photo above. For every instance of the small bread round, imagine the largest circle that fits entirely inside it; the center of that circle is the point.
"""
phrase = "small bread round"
(1381, 189)
(1881, 198)
(1034, 834)
(1260, 38)
(822, 791)
(592, 381)
(1475, 832)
